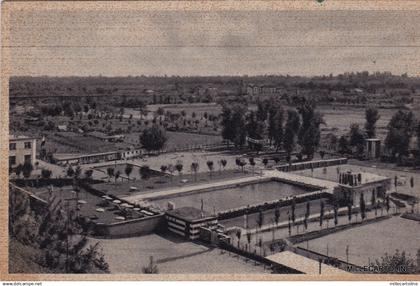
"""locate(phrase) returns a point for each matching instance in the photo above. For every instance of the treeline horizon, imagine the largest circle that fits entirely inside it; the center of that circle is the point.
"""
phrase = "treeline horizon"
(376, 74)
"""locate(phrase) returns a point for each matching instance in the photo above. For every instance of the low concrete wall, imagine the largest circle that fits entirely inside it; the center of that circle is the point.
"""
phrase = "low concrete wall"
(129, 228)
(311, 164)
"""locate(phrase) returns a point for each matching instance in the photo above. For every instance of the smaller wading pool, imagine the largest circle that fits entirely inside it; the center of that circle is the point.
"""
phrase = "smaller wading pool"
(234, 197)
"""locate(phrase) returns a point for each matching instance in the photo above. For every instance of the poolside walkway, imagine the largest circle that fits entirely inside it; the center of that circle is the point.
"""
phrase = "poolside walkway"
(327, 186)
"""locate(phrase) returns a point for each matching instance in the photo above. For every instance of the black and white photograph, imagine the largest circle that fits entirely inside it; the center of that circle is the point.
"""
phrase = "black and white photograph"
(211, 138)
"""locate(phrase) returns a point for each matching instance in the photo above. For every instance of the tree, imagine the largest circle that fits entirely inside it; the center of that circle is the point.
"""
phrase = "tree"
(418, 143)
(163, 168)
(321, 213)
(117, 175)
(88, 173)
(50, 232)
(70, 172)
(110, 172)
(335, 213)
(343, 145)
(210, 165)
(153, 138)
(46, 174)
(238, 235)
(265, 162)
(224, 162)
(277, 215)
(128, 169)
(260, 219)
(179, 166)
(373, 202)
(144, 172)
(248, 238)
(372, 116)
(400, 130)
(77, 172)
(254, 129)
(233, 124)
(27, 169)
(262, 110)
(241, 164)
(349, 210)
(293, 209)
(252, 163)
(362, 206)
(357, 138)
(398, 263)
(152, 268)
(309, 134)
(308, 209)
(18, 170)
(291, 128)
(194, 169)
(275, 125)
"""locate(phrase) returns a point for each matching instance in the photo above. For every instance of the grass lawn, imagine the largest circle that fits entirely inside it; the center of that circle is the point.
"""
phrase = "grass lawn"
(340, 119)
(371, 241)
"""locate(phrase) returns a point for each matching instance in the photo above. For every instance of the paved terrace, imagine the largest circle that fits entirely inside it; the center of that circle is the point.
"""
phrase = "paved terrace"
(326, 186)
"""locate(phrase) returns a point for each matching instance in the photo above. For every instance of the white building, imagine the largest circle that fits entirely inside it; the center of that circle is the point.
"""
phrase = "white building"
(21, 149)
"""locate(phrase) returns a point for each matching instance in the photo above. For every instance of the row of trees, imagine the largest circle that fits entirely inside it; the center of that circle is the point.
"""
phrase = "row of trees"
(402, 127)
(291, 214)
(302, 125)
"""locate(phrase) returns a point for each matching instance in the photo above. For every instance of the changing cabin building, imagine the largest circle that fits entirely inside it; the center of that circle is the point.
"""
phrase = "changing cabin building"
(187, 221)
(352, 185)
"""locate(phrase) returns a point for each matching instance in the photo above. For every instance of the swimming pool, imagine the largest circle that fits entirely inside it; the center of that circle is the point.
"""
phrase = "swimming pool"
(233, 197)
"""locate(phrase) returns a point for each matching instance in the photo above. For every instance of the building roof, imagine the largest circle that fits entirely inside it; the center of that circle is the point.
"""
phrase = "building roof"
(13, 137)
(367, 178)
(304, 264)
(189, 214)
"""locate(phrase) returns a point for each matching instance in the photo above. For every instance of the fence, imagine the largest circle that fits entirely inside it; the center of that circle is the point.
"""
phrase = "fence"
(271, 205)
(311, 164)
(189, 148)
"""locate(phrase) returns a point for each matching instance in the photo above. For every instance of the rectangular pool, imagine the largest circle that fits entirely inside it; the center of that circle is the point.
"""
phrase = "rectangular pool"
(234, 197)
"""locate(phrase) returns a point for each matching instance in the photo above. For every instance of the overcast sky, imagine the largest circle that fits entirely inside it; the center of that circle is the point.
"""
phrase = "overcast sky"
(83, 43)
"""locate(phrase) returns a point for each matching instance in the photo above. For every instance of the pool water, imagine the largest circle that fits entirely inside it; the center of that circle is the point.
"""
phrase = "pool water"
(234, 197)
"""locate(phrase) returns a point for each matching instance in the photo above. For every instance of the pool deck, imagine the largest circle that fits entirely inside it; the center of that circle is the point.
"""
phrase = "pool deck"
(326, 186)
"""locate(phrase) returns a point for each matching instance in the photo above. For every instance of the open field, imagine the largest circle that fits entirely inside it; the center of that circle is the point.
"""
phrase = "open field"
(230, 198)
(172, 255)
(340, 119)
(369, 242)
(403, 177)
(189, 108)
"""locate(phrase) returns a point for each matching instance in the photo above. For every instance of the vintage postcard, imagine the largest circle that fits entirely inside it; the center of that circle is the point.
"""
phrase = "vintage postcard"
(210, 140)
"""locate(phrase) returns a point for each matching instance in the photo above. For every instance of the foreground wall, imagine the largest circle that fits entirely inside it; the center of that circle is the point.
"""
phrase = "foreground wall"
(135, 227)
